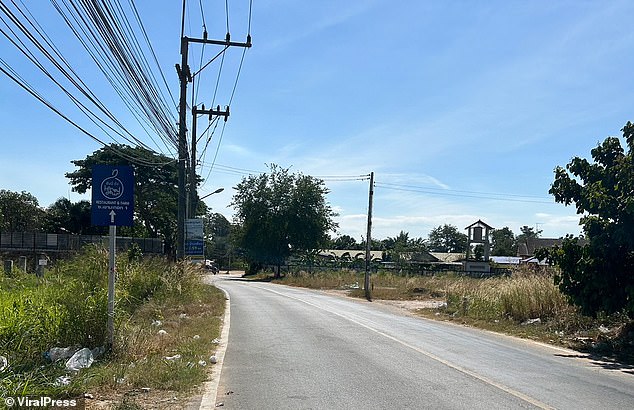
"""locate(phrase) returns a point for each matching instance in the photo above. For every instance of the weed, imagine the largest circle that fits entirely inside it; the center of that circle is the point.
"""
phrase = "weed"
(69, 308)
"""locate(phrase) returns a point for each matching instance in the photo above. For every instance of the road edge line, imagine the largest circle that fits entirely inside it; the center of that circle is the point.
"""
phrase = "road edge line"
(211, 387)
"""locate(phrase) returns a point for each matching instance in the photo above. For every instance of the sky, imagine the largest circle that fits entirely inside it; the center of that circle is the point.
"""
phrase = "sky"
(462, 109)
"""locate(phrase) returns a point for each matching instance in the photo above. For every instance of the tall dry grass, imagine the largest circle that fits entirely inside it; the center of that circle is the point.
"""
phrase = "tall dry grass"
(518, 297)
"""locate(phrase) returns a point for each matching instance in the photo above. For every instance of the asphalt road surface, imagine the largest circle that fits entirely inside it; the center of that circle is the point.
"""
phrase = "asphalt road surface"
(293, 348)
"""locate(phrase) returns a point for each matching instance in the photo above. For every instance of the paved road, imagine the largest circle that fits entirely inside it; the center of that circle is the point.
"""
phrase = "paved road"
(292, 348)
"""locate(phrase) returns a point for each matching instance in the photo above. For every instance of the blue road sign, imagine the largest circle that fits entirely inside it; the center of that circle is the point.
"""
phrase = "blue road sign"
(112, 195)
(194, 239)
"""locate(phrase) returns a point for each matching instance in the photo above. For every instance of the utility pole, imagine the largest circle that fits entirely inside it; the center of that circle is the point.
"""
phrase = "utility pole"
(184, 76)
(193, 195)
(368, 242)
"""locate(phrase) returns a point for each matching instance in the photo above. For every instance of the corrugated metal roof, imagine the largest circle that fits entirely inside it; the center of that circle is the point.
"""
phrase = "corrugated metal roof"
(506, 260)
(448, 257)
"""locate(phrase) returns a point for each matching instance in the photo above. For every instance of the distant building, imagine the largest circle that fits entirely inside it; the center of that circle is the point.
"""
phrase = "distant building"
(506, 260)
(478, 234)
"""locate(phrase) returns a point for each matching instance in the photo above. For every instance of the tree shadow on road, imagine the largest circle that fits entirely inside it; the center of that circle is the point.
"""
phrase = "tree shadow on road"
(609, 360)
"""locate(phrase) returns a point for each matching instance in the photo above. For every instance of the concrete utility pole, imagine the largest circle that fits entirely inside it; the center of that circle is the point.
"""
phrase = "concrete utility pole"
(184, 76)
(193, 195)
(368, 242)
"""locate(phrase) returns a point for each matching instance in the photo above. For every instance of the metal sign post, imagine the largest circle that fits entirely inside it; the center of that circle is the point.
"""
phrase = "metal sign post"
(112, 205)
(111, 279)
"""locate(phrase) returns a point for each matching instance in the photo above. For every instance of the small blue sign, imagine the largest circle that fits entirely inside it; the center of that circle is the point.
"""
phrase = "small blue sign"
(194, 238)
(112, 195)
(194, 248)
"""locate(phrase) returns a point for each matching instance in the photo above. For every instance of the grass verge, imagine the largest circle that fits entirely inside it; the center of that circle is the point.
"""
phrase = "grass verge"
(167, 323)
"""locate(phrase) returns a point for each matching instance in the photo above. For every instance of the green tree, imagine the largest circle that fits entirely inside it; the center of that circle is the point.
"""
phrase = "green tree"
(528, 233)
(280, 213)
(503, 242)
(155, 191)
(447, 238)
(65, 216)
(597, 274)
(217, 238)
(19, 212)
(345, 242)
(395, 248)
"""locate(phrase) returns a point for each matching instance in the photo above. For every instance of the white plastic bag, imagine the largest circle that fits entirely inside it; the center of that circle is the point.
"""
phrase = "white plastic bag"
(82, 359)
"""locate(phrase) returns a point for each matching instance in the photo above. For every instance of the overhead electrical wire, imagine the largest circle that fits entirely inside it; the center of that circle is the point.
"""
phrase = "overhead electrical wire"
(14, 76)
(89, 113)
(462, 191)
(109, 38)
(106, 34)
(149, 44)
(202, 14)
(111, 74)
(112, 42)
(233, 91)
(462, 194)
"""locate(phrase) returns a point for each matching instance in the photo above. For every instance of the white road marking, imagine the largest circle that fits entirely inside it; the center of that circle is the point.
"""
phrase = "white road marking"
(432, 356)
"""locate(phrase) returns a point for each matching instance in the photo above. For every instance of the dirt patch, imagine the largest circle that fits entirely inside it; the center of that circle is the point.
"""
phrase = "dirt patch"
(414, 305)
(410, 306)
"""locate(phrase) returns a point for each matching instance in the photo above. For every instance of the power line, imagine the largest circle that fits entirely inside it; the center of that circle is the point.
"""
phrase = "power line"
(202, 14)
(233, 91)
(185, 76)
(462, 191)
(14, 76)
(107, 35)
(149, 43)
(466, 194)
(79, 84)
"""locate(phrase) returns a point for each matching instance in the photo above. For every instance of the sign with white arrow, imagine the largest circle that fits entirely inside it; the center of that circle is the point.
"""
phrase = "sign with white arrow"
(112, 195)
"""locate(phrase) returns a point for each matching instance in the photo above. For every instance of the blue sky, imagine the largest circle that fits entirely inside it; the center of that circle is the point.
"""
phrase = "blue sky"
(461, 108)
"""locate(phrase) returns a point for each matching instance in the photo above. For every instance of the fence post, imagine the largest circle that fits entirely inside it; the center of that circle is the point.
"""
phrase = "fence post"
(22, 264)
(8, 267)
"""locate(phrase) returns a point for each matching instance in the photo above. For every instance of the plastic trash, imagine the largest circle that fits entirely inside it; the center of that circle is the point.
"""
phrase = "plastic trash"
(156, 323)
(4, 363)
(202, 363)
(531, 322)
(173, 358)
(59, 353)
(62, 381)
(213, 359)
(162, 332)
(196, 337)
(82, 359)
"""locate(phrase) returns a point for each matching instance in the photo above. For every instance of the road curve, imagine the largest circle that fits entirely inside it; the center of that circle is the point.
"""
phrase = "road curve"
(292, 348)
